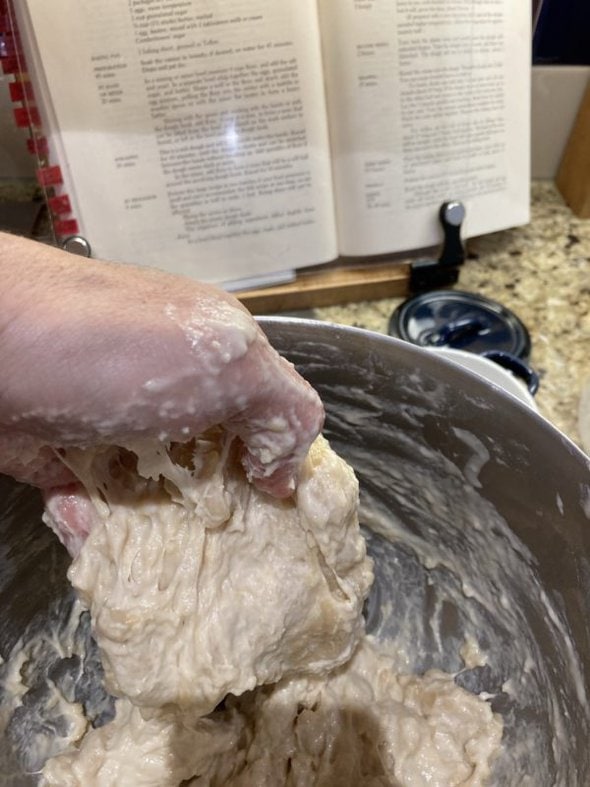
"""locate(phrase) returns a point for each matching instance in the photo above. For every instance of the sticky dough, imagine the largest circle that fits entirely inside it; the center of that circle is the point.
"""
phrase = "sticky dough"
(363, 725)
(199, 585)
(202, 589)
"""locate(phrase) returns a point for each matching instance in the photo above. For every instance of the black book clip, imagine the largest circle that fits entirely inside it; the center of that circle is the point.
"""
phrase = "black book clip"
(430, 274)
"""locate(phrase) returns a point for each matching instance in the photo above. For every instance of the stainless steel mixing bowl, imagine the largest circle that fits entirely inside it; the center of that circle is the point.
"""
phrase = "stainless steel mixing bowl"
(477, 513)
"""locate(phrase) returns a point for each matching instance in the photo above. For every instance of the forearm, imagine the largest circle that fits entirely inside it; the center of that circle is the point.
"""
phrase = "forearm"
(26, 268)
(88, 347)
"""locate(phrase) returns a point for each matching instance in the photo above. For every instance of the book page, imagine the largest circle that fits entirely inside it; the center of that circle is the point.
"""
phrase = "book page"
(428, 102)
(192, 136)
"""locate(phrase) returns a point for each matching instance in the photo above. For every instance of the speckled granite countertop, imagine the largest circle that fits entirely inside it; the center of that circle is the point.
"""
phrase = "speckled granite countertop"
(541, 272)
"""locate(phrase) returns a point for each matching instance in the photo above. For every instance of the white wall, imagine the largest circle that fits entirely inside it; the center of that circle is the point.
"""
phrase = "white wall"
(556, 95)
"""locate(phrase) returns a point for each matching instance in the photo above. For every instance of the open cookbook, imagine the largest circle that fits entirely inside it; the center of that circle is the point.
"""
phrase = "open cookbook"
(238, 140)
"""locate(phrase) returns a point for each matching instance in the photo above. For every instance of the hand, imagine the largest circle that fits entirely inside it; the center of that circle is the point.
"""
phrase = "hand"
(95, 352)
